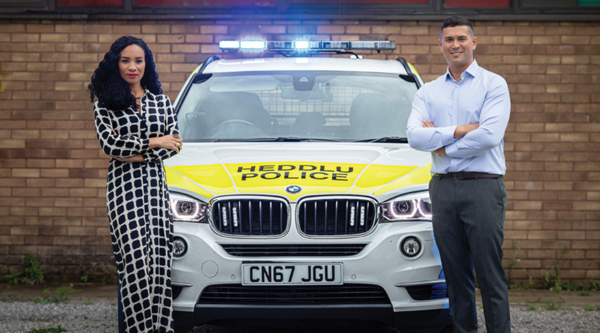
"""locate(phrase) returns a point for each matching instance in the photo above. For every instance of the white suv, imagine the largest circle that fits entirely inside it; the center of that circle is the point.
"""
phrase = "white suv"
(296, 195)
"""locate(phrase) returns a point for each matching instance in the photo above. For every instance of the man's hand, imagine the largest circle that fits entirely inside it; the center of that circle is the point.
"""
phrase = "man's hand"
(167, 142)
(459, 132)
(441, 151)
(462, 130)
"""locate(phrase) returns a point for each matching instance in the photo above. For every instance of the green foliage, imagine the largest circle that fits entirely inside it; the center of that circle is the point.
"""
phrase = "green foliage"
(552, 307)
(88, 303)
(589, 307)
(532, 307)
(48, 297)
(529, 283)
(84, 278)
(7, 299)
(58, 329)
(33, 273)
(595, 284)
(585, 294)
(552, 280)
(13, 278)
(512, 265)
(570, 287)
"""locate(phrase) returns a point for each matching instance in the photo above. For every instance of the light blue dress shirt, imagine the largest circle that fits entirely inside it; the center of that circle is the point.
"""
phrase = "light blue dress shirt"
(480, 97)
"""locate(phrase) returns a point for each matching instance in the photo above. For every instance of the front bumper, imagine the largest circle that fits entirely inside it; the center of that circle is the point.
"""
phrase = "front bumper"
(281, 314)
(380, 263)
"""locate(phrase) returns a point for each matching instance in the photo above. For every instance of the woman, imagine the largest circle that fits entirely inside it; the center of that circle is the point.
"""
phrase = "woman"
(137, 129)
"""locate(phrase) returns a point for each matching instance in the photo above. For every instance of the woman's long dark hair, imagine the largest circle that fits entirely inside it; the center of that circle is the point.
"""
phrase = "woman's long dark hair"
(108, 85)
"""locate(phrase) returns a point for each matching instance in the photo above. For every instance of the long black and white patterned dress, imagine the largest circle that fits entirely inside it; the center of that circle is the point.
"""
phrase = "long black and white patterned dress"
(138, 208)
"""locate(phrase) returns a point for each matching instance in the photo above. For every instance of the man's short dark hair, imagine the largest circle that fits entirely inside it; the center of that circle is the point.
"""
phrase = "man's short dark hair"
(454, 21)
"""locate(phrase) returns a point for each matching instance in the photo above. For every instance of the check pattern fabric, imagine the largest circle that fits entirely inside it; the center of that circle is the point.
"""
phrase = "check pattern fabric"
(138, 209)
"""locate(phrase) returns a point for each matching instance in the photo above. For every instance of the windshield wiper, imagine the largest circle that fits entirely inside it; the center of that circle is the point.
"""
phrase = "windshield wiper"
(393, 139)
(277, 139)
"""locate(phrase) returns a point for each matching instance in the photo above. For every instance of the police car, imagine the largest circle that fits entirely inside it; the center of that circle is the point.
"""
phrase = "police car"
(296, 195)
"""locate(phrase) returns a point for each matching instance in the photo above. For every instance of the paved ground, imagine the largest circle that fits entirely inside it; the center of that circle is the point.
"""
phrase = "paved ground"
(91, 308)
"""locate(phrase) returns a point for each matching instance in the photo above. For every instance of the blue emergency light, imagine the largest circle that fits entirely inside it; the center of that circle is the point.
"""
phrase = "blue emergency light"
(229, 44)
(300, 46)
(253, 45)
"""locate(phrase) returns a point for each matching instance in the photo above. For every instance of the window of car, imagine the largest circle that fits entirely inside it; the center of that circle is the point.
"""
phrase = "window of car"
(326, 105)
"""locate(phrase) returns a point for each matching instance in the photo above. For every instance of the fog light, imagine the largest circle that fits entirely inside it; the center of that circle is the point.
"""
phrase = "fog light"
(410, 247)
(179, 247)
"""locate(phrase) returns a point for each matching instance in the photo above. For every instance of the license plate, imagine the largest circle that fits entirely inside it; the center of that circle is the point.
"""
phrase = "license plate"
(292, 273)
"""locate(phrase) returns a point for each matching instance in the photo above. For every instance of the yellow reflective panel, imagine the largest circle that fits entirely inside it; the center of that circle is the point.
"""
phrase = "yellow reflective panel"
(413, 68)
(177, 180)
(379, 175)
(419, 176)
(213, 177)
(313, 177)
(195, 69)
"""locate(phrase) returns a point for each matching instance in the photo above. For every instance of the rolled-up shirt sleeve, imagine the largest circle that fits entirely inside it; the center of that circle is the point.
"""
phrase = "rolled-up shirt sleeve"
(426, 138)
(493, 120)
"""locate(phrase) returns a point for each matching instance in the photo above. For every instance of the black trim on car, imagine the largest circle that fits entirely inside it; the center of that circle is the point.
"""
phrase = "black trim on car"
(410, 321)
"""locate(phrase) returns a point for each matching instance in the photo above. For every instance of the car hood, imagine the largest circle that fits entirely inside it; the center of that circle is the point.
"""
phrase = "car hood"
(296, 169)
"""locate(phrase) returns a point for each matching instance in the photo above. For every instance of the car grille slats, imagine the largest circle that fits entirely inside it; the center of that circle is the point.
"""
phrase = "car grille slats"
(336, 216)
(250, 216)
(291, 250)
(294, 295)
(428, 291)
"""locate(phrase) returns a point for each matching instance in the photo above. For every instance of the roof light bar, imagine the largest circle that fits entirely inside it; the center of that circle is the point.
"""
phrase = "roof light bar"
(307, 46)
(229, 44)
(301, 44)
(253, 45)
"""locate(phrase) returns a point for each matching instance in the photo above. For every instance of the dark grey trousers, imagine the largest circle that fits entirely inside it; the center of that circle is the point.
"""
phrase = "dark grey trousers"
(468, 224)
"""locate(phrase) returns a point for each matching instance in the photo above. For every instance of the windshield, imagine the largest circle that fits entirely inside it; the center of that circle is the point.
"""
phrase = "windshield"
(288, 106)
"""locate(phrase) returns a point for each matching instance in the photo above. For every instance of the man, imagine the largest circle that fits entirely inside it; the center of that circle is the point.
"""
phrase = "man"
(461, 118)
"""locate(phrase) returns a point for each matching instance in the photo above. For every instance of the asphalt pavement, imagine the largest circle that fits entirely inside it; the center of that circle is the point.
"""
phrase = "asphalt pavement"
(91, 308)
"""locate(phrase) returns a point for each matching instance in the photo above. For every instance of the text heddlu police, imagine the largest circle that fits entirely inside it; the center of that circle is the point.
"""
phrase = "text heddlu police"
(301, 171)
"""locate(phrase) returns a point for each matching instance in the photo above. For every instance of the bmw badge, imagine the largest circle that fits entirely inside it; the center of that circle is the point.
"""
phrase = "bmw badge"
(293, 189)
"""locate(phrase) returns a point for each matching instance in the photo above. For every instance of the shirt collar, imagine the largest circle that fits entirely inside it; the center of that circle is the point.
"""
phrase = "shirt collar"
(472, 70)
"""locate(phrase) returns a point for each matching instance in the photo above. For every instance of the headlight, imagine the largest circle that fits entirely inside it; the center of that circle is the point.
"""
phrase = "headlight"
(415, 206)
(187, 209)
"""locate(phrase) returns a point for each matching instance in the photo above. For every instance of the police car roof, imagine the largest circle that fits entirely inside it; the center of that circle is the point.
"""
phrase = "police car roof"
(305, 64)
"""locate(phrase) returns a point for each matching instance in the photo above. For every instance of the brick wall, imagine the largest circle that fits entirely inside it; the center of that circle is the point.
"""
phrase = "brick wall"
(52, 173)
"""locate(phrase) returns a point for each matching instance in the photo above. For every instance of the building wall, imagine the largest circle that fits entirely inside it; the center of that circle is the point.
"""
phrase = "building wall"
(52, 172)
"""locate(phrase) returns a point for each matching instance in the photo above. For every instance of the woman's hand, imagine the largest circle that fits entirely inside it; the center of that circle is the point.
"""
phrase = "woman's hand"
(168, 142)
